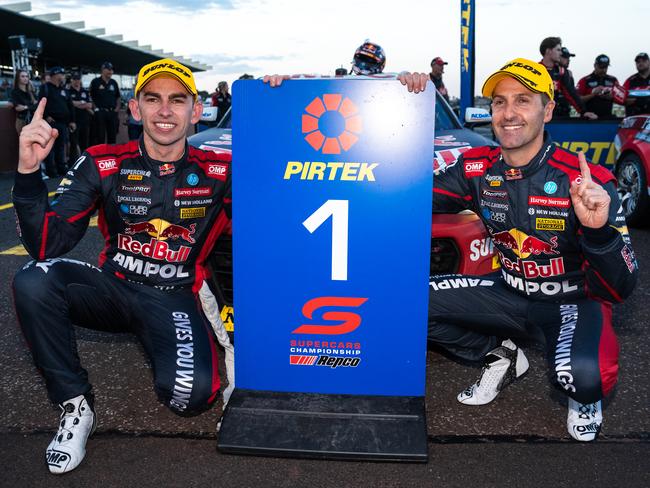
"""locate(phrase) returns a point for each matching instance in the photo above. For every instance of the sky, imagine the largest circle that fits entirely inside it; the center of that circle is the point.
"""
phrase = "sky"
(317, 36)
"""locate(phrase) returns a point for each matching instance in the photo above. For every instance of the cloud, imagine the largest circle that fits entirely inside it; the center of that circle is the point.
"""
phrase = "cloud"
(229, 65)
(171, 5)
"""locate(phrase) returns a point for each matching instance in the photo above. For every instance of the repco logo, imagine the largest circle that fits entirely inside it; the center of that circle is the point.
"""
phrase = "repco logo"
(343, 321)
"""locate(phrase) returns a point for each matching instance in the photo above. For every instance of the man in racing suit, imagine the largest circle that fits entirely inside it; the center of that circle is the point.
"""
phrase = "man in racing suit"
(161, 205)
(557, 226)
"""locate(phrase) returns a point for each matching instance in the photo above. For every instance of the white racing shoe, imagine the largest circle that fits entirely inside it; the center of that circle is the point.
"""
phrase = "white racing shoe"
(584, 420)
(68, 447)
(503, 365)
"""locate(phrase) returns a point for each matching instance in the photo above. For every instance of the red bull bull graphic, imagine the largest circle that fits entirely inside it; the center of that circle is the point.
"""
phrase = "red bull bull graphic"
(162, 230)
(522, 244)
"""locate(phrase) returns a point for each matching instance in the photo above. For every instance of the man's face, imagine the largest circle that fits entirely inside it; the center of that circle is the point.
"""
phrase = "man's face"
(600, 69)
(518, 115)
(437, 70)
(107, 72)
(57, 79)
(555, 53)
(642, 65)
(564, 62)
(76, 84)
(166, 110)
(223, 88)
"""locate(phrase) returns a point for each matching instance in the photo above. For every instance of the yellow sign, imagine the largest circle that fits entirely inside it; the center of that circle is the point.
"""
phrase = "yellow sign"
(192, 213)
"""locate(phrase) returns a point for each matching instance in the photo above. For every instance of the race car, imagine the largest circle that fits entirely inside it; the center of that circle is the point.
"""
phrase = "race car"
(459, 242)
(632, 168)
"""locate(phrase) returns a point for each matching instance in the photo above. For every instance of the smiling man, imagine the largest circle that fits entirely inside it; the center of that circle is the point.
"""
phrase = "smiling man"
(557, 226)
(161, 206)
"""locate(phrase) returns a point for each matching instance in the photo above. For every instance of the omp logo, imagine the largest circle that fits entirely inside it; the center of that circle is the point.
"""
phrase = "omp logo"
(342, 322)
(106, 166)
(331, 123)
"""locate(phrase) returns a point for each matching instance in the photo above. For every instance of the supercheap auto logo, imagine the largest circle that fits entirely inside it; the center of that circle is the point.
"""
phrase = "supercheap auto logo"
(331, 123)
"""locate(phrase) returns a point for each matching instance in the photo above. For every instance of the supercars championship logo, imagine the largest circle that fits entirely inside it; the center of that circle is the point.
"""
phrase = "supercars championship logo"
(331, 123)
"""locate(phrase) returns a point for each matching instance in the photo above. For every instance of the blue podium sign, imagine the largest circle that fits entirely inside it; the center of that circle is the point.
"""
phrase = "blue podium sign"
(332, 187)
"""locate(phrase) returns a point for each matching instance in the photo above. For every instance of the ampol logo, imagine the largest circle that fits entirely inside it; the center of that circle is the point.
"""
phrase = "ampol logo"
(331, 123)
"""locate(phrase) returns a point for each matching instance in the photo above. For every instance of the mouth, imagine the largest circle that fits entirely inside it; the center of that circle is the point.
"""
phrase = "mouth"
(164, 126)
(512, 127)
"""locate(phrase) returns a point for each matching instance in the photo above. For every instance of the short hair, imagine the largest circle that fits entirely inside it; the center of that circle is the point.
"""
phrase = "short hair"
(545, 99)
(549, 43)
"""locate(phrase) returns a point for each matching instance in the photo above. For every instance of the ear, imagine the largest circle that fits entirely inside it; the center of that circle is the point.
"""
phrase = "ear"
(197, 111)
(548, 111)
(134, 107)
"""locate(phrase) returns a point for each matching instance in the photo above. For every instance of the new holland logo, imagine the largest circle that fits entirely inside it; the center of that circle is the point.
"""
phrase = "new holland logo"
(331, 123)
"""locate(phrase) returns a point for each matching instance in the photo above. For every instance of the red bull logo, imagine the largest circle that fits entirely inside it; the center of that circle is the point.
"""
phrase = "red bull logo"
(522, 244)
(331, 124)
(161, 230)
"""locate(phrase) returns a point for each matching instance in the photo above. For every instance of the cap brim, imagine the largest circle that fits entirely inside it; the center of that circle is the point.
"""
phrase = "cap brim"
(169, 75)
(491, 83)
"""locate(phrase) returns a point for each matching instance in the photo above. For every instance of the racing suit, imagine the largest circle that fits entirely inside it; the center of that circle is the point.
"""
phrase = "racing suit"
(600, 105)
(640, 105)
(159, 221)
(558, 278)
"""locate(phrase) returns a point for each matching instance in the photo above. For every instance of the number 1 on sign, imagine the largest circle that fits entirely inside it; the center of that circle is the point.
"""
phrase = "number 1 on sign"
(338, 209)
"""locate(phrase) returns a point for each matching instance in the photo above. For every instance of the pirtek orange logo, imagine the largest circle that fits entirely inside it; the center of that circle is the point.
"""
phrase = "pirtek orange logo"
(334, 106)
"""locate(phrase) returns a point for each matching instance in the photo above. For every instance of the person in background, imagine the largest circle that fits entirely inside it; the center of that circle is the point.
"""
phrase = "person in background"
(595, 89)
(83, 110)
(551, 50)
(23, 99)
(638, 81)
(105, 94)
(222, 100)
(59, 113)
(437, 70)
(562, 105)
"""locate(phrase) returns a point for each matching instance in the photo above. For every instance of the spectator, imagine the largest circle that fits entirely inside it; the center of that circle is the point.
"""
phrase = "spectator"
(437, 69)
(83, 111)
(551, 51)
(246, 76)
(222, 100)
(105, 94)
(23, 99)
(596, 89)
(59, 113)
(638, 81)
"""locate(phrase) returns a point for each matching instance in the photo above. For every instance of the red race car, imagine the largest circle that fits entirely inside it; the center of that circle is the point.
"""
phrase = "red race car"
(633, 167)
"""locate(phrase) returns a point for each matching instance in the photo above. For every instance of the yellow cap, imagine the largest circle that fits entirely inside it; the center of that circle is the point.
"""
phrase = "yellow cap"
(532, 75)
(167, 67)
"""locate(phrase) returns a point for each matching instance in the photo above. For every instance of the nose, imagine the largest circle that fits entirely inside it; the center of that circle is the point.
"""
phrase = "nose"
(165, 109)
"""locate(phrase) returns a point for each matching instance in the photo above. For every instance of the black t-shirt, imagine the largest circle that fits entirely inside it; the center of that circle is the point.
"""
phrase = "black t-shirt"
(223, 104)
(82, 95)
(19, 97)
(642, 105)
(440, 86)
(59, 105)
(104, 95)
(598, 105)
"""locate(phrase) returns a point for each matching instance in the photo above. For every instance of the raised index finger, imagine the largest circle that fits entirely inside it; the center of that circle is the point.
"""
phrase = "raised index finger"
(584, 168)
(38, 113)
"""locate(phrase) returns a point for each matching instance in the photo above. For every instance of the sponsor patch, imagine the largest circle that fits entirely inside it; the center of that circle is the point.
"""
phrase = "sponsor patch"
(513, 174)
(550, 187)
(474, 168)
(136, 188)
(106, 166)
(549, 224)
(494, 180)
(494, 194)
(217, 171)
(166, 169)
(192, 213)
(192, 179)
(199, 191)
(549, 201)
(135, 177)
(628, 257)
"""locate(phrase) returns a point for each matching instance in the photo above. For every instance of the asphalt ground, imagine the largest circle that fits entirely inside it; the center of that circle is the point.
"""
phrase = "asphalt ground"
(519, 440)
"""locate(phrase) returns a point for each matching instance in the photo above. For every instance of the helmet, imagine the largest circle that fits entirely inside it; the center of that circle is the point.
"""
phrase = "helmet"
(369, 59)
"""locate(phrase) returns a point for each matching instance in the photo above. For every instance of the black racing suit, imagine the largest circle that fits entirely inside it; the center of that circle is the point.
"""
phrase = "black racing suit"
(159, 221)
(557, 277)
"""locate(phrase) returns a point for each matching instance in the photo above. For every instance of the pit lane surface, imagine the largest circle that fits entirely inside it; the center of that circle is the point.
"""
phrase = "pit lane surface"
(520, 439)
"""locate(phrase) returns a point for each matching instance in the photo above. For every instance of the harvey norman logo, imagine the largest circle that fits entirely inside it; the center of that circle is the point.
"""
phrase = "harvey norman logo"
(331, 123)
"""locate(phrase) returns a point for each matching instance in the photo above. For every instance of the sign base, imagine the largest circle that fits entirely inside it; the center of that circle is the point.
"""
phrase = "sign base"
(314, 425)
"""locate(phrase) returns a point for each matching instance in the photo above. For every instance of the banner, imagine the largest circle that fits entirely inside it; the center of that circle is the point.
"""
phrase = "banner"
(466, 56)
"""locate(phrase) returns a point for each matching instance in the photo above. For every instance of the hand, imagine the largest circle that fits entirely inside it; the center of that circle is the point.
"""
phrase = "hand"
(275, 80)
(415, 82)
(590, 115)
(72, 126)
(36, 141)
(20, 108)
(590, 200)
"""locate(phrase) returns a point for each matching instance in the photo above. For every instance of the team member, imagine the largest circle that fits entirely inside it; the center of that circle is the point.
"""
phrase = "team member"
(368, 59)
(638, 81)
(437, 70)
(83, 110)
(59, 114)
(551, 51)
(105, 93)
(595, 89)
(222, 99)
(558, 229)
(161, 205)
(562, 105)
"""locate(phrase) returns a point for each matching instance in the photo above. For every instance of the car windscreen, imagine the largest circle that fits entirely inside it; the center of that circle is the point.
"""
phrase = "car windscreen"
(445, 119)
